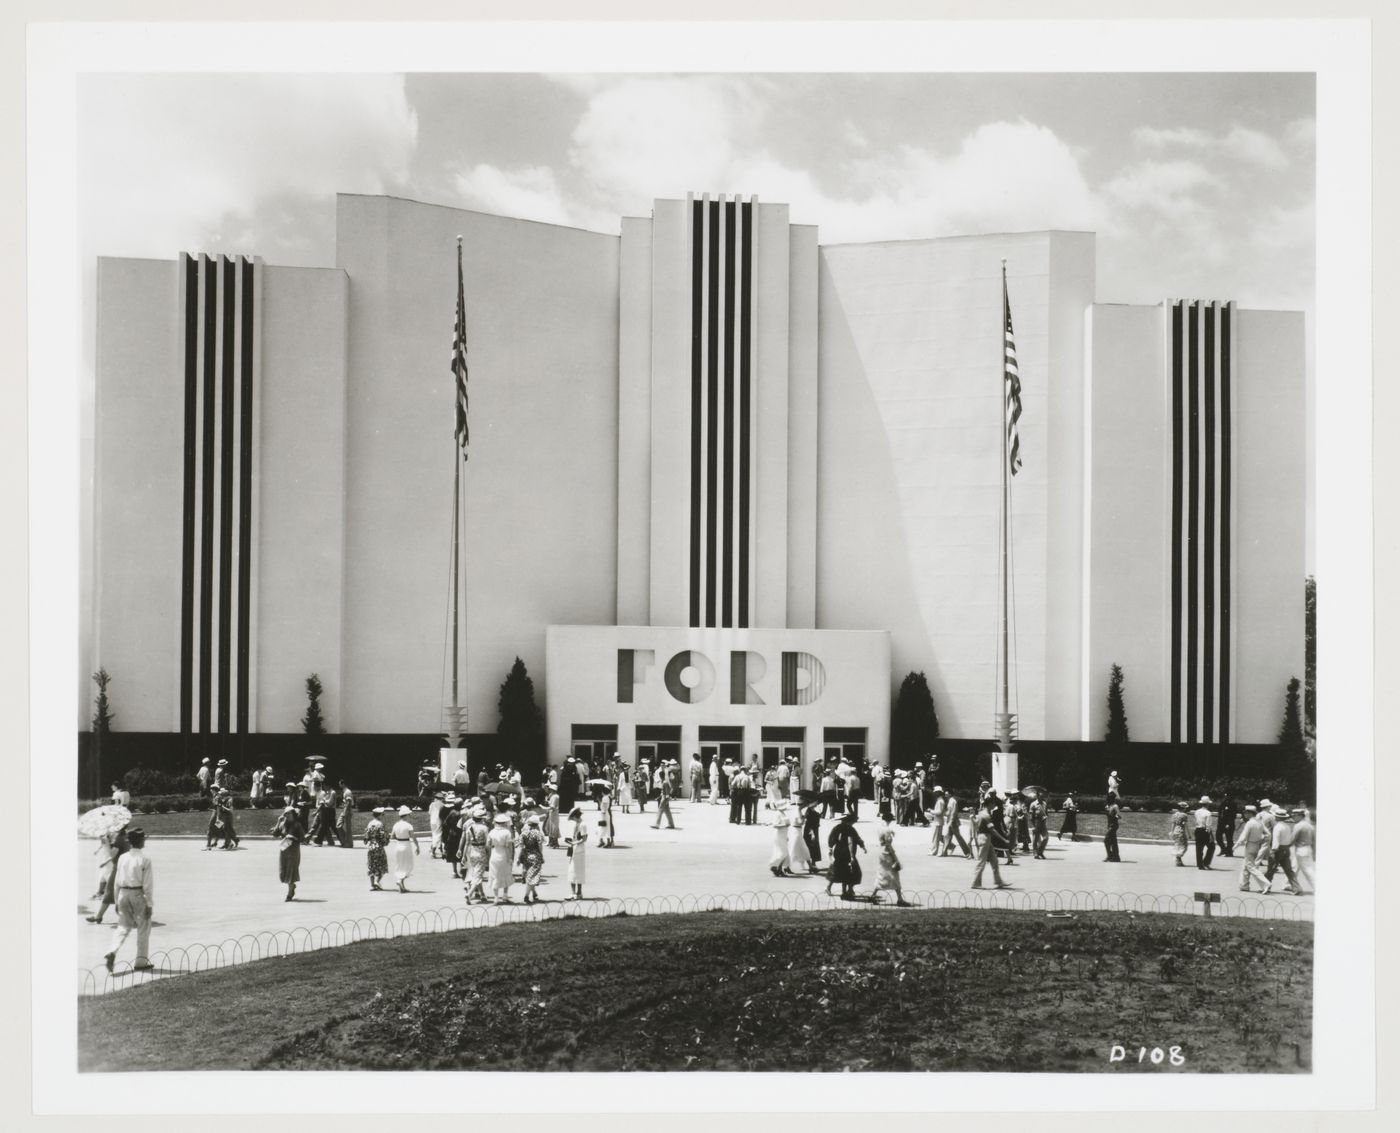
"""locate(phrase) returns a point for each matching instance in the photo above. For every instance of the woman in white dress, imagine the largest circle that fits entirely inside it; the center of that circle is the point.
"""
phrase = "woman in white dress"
(551, 817)
(403, 848)
(799, 859)
(624, 788)
(501, 841)
(577, 841)
(605, 819)
(778, 860)
(714, 780)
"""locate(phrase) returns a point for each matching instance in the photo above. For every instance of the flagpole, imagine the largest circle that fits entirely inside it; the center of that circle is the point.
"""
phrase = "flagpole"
(455, 716)
(456, 560)
(1004, 719)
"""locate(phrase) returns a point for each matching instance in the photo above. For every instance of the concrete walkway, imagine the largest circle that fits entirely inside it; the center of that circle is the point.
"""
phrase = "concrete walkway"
(209, 897)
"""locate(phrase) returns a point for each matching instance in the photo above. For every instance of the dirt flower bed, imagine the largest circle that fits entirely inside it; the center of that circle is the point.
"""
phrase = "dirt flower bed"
(966, 990)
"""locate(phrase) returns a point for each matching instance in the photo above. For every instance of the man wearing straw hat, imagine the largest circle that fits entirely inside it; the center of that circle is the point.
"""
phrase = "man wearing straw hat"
(1281, 846)
(1254, 839)
(987, 835)
(134, 880)
(1205, 834)
(663, 804)
(1303, 838)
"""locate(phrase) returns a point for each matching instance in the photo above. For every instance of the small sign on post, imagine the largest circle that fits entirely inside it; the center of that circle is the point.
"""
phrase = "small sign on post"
(1207, 899)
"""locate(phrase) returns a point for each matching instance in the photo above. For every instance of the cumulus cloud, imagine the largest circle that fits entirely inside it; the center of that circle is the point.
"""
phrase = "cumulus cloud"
(530, 193)
(651, 137)
(1253, 147)
(1166, 187)
(166, 159)
(647, 137)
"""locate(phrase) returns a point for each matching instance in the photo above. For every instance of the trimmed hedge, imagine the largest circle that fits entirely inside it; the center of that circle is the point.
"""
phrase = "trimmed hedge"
(365, 801)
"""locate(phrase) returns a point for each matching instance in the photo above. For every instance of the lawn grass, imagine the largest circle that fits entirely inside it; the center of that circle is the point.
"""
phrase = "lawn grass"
(868, 989)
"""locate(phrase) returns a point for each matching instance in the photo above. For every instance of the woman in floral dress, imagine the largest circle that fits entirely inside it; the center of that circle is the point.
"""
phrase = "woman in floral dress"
(1178, 832)
(532, 857)
(291, 831)
(376, 839)
(888, 867)
(551, 818)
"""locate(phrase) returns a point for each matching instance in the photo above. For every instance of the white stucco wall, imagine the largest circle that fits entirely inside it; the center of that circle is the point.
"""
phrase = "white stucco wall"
(1129, 504)
(139, 421)
(1269, 548)
(910, 452)
(298, 627)
(541, 483)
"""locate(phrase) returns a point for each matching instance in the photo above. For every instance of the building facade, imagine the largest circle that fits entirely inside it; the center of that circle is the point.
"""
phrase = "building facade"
(726, 486)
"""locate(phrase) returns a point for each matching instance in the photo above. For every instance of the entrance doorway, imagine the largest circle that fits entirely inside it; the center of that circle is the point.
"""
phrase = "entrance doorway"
(596, 743)
(658, 741)
(843, 742)
(783, 744)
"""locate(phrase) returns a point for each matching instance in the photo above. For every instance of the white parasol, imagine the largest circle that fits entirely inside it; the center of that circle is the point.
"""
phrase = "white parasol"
(104, 821)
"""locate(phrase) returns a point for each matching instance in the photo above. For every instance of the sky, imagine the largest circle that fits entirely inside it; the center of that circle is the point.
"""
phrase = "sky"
(1198, 185)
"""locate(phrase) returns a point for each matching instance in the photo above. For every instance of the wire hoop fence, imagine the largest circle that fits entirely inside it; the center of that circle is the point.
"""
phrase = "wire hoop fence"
(291, 942)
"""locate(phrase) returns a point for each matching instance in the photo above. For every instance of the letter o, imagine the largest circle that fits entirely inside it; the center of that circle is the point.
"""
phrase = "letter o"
(690, 659)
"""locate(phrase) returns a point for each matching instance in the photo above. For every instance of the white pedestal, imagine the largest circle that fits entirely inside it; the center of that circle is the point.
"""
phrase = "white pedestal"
(1006, 772)
(448, 758)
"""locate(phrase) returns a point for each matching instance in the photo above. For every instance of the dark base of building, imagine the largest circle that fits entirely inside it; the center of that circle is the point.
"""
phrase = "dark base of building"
(391, 761)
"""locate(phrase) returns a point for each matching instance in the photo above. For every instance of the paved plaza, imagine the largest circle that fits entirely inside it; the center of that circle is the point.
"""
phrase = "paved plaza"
(206, 898)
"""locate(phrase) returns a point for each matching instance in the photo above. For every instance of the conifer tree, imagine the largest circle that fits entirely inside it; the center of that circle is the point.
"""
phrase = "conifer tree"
(913, 723)
(521, 725)
(1117, 714)
(313, 724)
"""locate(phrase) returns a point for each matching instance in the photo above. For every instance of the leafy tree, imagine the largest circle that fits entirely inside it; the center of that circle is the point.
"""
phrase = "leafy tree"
(313, 724)
(1310, 657)
(1117, 714)
(521, 726)
(913, 723)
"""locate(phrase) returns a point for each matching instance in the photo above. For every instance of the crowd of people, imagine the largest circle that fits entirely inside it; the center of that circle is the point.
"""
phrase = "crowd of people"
(1270, 839)
(494, 833)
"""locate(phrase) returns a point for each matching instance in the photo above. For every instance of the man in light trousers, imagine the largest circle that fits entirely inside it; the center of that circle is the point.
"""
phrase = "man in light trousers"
(986, 850)
(135, 892)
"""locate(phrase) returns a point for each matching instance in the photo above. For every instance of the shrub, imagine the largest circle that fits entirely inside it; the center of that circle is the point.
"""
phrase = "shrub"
(148, 781)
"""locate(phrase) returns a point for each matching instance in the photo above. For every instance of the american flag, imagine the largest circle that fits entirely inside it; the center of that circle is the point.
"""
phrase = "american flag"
(1013, 385)
(459, 355)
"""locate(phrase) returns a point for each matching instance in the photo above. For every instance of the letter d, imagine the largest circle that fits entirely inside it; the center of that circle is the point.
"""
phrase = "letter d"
(1117, 1054)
